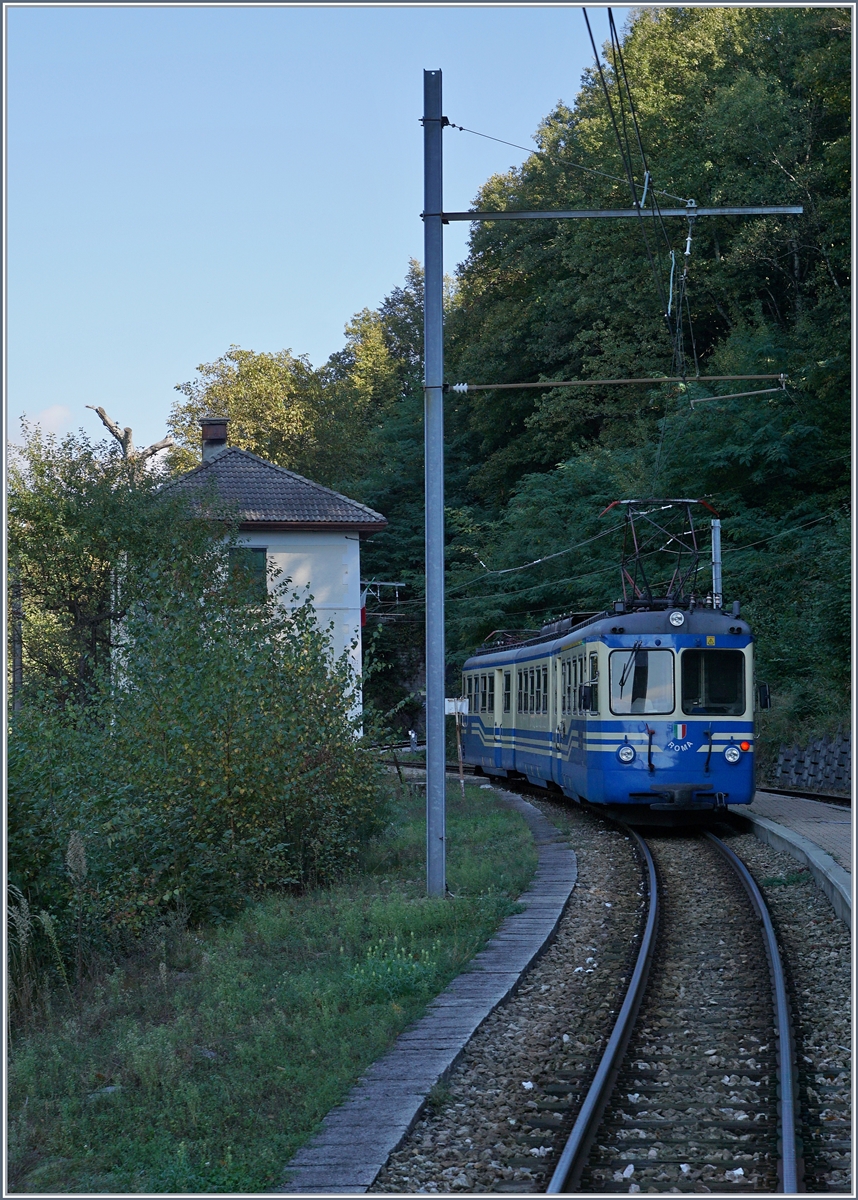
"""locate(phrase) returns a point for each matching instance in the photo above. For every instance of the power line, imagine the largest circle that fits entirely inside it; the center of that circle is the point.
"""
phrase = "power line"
(629, 173)
(536, 561)
(555, 158)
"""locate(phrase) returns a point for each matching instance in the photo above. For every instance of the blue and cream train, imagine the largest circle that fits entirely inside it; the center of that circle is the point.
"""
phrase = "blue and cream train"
(651, 711)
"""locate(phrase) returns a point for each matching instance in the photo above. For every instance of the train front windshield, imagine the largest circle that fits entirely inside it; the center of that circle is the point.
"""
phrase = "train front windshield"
(713, 682)
(641, 681)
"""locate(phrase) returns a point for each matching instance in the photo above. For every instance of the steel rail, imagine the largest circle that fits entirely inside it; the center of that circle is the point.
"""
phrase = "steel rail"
(787, 1108)
(577, 1147)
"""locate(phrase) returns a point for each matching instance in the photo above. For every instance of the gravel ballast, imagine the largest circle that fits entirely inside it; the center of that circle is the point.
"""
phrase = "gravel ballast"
(492, 1128)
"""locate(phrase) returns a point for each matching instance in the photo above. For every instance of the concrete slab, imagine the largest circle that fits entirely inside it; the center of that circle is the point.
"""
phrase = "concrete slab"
(358, 1136)
(808, 829)
(829, 826)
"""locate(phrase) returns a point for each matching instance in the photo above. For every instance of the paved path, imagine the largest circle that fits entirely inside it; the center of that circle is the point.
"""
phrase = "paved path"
(816, 834)
(358, 1136)
(828, 825)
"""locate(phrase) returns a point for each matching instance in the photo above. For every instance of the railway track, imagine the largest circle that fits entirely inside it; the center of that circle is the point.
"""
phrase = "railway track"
(697, 1090)
(679, 1074)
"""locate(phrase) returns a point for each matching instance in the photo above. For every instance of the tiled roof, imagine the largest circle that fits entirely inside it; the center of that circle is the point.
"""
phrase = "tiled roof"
(256, 490)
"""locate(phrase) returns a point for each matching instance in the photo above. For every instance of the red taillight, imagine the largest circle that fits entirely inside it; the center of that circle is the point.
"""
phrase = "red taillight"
(744, 745)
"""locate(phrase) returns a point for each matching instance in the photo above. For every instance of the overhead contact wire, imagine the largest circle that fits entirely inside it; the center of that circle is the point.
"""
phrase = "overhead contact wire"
(555, 158)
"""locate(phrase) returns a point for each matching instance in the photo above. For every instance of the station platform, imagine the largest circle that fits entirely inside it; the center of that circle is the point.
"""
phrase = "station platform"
(816, 834)
(829, 826)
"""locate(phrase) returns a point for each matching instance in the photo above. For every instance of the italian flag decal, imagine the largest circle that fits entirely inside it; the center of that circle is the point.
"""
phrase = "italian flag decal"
(679, 732)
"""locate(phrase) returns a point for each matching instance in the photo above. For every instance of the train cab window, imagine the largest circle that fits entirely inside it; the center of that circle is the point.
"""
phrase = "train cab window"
(713, 682)
(470, 686)
(641, 681)
(507, 693)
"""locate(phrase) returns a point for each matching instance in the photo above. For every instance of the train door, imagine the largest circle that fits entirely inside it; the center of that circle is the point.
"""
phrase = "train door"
(498, 716)
(558, 699)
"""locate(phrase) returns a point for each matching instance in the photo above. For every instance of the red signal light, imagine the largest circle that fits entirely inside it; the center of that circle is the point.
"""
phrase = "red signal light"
(744, 745)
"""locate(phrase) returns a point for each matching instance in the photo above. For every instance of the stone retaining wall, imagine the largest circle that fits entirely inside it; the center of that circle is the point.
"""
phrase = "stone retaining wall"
(823, 766)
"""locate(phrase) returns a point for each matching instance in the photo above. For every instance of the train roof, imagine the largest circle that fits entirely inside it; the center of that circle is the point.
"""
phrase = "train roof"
(640, 622)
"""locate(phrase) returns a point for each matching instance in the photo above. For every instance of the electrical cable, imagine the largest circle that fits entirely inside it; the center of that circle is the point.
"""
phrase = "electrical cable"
(629, 176)
(555, 158)
(536, 561)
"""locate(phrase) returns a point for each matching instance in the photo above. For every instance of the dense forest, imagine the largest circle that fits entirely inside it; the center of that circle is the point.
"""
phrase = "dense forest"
(733, 107)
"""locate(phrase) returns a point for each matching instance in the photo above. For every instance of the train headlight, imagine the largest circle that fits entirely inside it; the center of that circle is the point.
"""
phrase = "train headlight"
(626, 754)
(732, 754)
(677, 619)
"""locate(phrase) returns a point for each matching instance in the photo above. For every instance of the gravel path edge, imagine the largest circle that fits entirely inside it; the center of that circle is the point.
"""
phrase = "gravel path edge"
(833, 880)
(358, 1136)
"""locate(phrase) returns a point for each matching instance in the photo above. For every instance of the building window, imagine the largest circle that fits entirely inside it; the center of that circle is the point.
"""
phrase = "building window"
(248, 571)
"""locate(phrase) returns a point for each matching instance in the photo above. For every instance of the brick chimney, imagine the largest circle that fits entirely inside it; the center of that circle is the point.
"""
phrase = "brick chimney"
(214, 435)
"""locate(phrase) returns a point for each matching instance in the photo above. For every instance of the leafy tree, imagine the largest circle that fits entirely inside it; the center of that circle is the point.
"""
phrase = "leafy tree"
(278, 408)
(86, 529)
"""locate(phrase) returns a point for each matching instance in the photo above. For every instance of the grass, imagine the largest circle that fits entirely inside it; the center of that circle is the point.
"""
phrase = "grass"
(203, 1064)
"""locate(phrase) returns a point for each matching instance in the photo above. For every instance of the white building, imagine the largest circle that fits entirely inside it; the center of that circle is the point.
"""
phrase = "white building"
(311, 534)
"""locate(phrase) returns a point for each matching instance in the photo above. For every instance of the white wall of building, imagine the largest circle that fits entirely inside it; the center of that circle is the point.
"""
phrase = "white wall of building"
(328, 565)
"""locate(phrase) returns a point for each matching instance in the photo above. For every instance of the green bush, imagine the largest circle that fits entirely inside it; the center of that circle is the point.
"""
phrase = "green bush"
(220, 760)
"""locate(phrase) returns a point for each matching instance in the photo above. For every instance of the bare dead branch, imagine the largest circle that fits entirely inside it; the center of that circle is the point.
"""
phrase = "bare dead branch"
(123, 436)
(164, 444)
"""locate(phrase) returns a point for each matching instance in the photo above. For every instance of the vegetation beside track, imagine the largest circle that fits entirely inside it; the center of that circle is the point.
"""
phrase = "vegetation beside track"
(203, 1063)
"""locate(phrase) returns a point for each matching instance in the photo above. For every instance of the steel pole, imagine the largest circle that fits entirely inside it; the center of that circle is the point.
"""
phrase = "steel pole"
(433, 410)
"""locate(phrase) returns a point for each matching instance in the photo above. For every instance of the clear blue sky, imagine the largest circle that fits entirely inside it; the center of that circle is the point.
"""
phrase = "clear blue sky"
(180, 179)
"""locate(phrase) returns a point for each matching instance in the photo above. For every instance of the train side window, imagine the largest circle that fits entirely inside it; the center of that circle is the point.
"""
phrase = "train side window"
(573, 699)
(545, 689)
(537, 707)
(563, 687)
(507, 695)
(530, 707)
(594, 683)
(490, 701)
(518, 692)
(470, 686)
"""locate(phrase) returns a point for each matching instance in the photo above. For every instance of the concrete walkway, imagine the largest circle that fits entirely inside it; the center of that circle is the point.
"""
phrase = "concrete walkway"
(816, 834)
(358, 1136)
